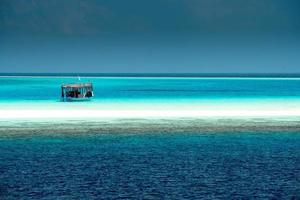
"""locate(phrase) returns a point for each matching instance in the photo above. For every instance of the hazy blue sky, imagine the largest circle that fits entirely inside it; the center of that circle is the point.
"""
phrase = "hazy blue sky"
(150, 36)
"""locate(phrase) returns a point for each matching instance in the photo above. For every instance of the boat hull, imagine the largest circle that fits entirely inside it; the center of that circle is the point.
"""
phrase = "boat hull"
(76, 99)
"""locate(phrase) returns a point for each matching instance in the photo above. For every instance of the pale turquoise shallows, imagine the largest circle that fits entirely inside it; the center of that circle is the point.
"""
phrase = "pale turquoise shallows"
(42, 89)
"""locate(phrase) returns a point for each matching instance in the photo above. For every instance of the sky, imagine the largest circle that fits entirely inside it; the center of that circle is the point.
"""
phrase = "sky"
(157, 36)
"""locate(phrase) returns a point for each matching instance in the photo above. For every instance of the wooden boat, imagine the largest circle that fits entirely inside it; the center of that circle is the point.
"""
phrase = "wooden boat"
(77, 92)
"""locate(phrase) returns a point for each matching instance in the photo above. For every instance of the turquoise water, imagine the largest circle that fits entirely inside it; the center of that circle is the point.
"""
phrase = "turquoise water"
(151, 166)
(33, 89)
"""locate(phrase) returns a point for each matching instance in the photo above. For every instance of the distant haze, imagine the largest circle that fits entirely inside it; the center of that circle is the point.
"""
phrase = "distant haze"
(194, 36)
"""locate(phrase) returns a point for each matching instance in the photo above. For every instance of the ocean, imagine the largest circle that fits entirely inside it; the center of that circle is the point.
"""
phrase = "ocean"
(240, 158)
(47, 88)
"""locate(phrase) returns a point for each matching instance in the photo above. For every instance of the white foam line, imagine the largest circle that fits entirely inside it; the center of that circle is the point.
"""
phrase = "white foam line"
(94, 114)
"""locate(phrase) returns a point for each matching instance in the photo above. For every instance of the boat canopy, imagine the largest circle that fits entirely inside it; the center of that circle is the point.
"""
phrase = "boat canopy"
(77, 91)
(78, 85)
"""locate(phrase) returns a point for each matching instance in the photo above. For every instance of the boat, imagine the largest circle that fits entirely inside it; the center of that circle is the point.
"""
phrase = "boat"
(77, 92)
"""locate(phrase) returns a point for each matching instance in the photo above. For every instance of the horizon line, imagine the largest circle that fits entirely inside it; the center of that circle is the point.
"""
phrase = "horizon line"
(148, 74)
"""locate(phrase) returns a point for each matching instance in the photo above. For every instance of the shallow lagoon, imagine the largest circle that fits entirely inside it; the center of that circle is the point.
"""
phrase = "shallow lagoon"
(35, 89)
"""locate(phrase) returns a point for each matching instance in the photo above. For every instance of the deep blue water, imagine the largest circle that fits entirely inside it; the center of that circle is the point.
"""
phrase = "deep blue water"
(151, 166)
(14, 89)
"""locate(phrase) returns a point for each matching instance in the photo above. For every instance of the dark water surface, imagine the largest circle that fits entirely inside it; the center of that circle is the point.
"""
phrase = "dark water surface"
(151, 166)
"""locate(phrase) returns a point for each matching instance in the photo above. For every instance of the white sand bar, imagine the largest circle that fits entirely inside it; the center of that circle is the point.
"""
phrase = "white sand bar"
(275, 109)
(93, 114)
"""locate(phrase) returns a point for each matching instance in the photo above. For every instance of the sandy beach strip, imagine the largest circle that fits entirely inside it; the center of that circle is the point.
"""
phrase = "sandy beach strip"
(128, 114)
(149, 109)
(19, 119)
